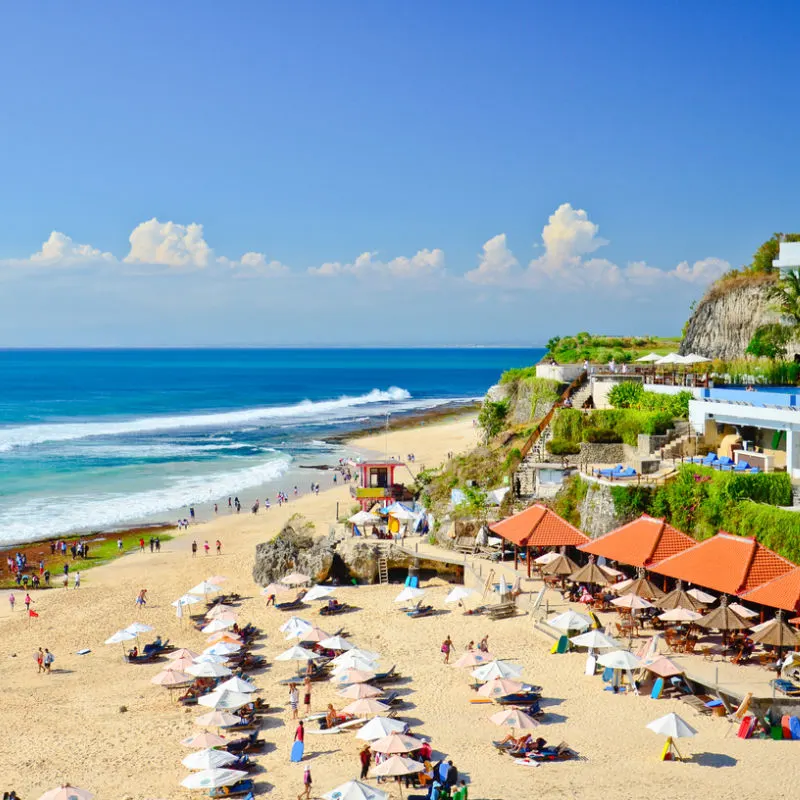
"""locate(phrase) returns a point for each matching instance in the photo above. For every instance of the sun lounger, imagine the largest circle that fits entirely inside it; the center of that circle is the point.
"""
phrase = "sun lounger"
(420, 611)
(248, 744)
(339, 608)
(144, 658)
(238, 789)
(501, 610)
(561, 752)
(386, 677)
(786, 687)
(291, 605)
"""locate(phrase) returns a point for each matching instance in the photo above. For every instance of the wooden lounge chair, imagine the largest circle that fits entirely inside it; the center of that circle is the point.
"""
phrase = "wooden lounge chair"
(501, 611)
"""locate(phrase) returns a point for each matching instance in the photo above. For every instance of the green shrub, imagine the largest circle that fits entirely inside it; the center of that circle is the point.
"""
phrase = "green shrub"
(567, 502)
(627, 394)
(517, 374)
(631, 501)
(563, 447)
(602, 436)
(568, 424)
(492, 417)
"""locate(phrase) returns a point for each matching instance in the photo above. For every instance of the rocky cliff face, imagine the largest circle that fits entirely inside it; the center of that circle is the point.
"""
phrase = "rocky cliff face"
(724, 322)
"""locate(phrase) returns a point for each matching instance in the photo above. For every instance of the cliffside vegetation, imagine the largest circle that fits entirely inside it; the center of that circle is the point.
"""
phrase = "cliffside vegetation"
(622, 425)
(601, 349)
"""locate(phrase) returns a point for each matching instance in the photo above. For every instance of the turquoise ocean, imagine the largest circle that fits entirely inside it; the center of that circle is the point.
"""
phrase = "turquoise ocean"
(98, 439)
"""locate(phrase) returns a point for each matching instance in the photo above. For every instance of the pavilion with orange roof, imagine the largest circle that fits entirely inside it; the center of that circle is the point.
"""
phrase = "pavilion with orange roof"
(781, 592)
(725, 563)
(640, 543)
(537, 526)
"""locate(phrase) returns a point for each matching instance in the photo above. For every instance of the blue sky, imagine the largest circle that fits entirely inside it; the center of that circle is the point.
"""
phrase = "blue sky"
(483, 173)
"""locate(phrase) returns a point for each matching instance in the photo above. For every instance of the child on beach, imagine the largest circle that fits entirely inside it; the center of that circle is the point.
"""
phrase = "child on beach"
(306, 793)
(12, 600)
(206, 546)
(28, 602)
(141, 598)
(307, 694)
(219, 547)
(40, 661)
(447, 646)
(294, 698)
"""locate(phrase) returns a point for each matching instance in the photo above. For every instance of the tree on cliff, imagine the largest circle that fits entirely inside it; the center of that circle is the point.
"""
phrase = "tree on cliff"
(786, 298)
(768, 252)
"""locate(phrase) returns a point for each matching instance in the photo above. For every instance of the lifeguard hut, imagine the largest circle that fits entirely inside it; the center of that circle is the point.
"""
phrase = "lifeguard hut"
(378, 484)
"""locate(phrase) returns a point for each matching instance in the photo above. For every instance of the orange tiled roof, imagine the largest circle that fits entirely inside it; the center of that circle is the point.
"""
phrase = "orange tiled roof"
(782, 592)
(538, 526)
(640, 543)
(725, 563)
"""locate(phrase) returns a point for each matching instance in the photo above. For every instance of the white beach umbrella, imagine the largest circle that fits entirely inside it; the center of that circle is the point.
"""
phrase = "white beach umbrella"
(632, 601)
(352, 676)
(222, 649)
(619, 659)
(204, 669)
(219, 624)
(187, 600)
(501, 687)
(180, 664)
(695, 358)
(364, 707)
(409, 593)
(182, 653)
(224, 699)
(363, 664)
(570, 621)
(364, 518)
(139, 627)
(235, 684)
(207, 658)
(170, 678)
(204, 739)
(318, 593)
(205, 587)
(315, 635)
(274, 588)
(680, 615)
(595, 640)
(378, 727)
(649, 358)
(673, 726)
(459, 593)
(218, 719)
(355, 790)
(474, 658)
(397, 766)
(356, 653)
(743, 611)
(701, 596)
(396, 743)
(547, 558)
(295, 626)
(403, 515)
(213, 778)
(296, 653)
(514, 718)
(67, 792)
(336, 643)
(295, 579)
(208, 759)
(121, 636)
(357, 691)
(670, 358)
(497, 669)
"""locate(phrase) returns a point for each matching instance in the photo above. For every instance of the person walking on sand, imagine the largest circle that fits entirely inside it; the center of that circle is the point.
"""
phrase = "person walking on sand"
(11, 601)
(77, 580)
(365, 757)
(119, 545)
(141, 598)
(219, 547)
(300, 732)
(40, 661)
(194, 549)
(447, 646)
(307, 694)
(141, 545)
(306, 793)
(294, 698)
(28, 602)
(49, 658)
(484, 645)
(206, 546)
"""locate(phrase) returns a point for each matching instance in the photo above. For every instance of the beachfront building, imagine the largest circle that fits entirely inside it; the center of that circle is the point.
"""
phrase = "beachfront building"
(788, 256)
(378, 484)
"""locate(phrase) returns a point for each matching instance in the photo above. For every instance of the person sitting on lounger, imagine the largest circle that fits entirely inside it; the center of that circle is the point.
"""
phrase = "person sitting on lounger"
(333, 604)
(331, 716)
(134, 653)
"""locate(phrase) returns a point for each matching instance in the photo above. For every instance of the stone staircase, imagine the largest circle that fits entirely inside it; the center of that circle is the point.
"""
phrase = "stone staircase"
(681, 442)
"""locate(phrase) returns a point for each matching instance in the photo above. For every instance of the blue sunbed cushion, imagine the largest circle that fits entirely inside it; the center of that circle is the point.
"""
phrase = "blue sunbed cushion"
(726, 460)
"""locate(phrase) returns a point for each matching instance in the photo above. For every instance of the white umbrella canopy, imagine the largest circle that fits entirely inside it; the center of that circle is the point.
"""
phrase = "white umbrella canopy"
(187, 600)
(500, 687)
(596, 640)
(213, 778)
(217, 719)
(362, 664)
(364, 518)
(354, 654)
(67, 792)
(205, 587)
(459, 593)
(295, 579)
(619, 659)
(547, 558)
(121, 636)
(365, 706)
(497, 669)
(295, 626)
(139, 627)
(357, 691)
(204, 669)
(695, 358)
(650, 357)
(237, 685)
(180, 664)
(209, 659)
(680, 615)
(570, 621)
(514, 718)
(396, 743)
(743, 611)
(220, 610)
(632, 601)
(296, 653)
(474, 658)
(219, 624)
(336, 643)
(378, 727)
(703, 597)
(171, 678)
(409, 593)
(403, 515)
(318, 593)
(355, 790)
(208, 759)
(315, 635)
(182, 653)
(353, 676)
(204, 739)
(222, 649)
(673, 726)
(224, 699)
(670, 358)
(274, 588)
(397, 766)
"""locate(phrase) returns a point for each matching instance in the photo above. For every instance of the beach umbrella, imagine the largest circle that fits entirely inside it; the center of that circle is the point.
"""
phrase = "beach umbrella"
(397, 766)
(595, 640)
(224, 699)
(363, 664)
(663, 667)
(644, 587)
(378, 727)
(364, 707)
(722, 618)
(171, 678)
(547, 558)
(237, 685)
(222, 649)
(358, 691)
(204, 588)
(208, 759)
(355, 790)
(622, 586)
(274, 588)
(180, 664)
(364, 518)
(318, 593)
(295, 626)
(213, 778)
(591, 573)
(218, 579)
(680, 614)
(409, 593)
(570, 621)
(514, 718)
(474, 658)
(220, 610)
(356, 653)
(296, 653)
(695, 358)
(679, 598)
(182, 653)
(670, 358)
(497, 669)
(561, 566)
(209, 659)
(672, 725)
(205, 739)
(219, 624)
(703, 597)
(631, 601)
(743, 611)
(619, 659)
(776, 633)
(224, 636)
(403, 515)
(295, 579)
(502, 587)
(187, 600)
(500, 687)
(336, 643)
(649, 358)
(217, 719)
(121, 636)
(353, 676)
(139, 627)
(459, 593)
(204, 669)
(396, 743)
(315, 635)
(67, 792)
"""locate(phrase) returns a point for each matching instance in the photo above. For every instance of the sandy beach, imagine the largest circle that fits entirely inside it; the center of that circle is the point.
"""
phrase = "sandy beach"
(71, 726)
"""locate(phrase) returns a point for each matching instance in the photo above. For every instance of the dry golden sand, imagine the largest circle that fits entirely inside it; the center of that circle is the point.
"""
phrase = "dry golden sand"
(68, 725)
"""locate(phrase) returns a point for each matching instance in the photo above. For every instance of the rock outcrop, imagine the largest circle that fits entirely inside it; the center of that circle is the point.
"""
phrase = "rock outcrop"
(294, 549)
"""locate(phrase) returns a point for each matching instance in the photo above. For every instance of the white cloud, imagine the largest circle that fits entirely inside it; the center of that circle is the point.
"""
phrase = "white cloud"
(497, 263)
(704, 271)
(423, 263)
(60, 250)
(254, 264)
(169, 244)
